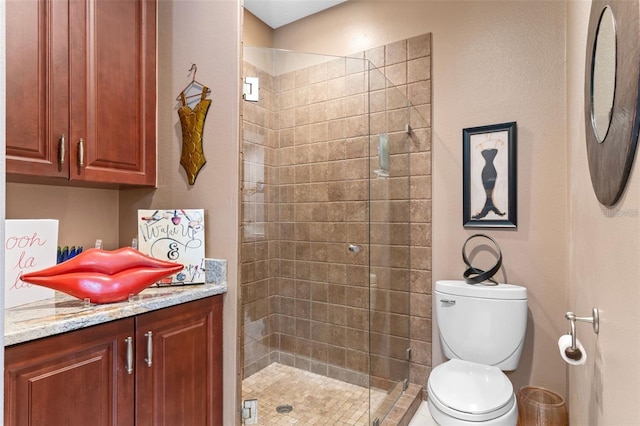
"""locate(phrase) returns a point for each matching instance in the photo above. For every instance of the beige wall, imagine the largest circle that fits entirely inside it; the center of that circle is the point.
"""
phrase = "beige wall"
(604, 266)
(493, 62)
(255, 33)
(84, 214)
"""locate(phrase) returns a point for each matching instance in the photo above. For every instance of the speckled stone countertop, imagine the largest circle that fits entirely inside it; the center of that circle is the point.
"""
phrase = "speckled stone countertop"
(65, 313)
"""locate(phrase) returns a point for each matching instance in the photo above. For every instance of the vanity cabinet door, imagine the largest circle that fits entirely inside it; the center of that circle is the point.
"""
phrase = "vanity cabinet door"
(179, 370)
(77, 378)
(37, 88)
(113, 91)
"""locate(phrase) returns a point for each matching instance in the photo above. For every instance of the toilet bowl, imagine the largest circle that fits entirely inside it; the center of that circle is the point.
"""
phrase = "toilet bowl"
(467, 393)
(482, 332)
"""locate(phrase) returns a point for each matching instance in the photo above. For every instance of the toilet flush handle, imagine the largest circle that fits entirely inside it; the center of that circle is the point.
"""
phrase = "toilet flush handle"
(448, 302)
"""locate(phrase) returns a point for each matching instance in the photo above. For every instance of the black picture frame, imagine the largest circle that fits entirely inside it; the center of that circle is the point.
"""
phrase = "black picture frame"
(489, 176)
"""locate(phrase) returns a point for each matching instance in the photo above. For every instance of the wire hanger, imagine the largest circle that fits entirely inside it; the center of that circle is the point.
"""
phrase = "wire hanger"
(193, 82)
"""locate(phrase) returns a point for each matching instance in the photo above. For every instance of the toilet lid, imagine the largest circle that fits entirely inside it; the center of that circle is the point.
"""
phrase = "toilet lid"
(470, 387)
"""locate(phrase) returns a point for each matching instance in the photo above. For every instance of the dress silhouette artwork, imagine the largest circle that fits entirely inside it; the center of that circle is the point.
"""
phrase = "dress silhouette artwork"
(192, 123)
(489, 176)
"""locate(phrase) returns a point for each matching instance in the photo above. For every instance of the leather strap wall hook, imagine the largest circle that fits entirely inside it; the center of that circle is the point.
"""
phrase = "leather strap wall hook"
(475, 275)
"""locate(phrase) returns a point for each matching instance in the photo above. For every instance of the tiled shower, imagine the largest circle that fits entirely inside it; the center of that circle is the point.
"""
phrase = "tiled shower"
(336, 240)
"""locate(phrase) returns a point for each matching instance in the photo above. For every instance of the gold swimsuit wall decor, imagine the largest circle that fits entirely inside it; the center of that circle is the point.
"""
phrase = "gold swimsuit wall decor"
(192, 123)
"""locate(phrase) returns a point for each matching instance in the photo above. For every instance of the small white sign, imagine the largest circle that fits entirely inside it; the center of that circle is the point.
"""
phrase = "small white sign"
(30, 245)
(176, 236)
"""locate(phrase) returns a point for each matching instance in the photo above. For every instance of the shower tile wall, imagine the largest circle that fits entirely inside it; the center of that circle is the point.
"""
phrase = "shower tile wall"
(322, 306)
(305, 297)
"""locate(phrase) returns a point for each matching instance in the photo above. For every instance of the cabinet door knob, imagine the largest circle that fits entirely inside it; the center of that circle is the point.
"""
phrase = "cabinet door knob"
(149, 358)
(129, 366)
(81, 153)
(61, 148)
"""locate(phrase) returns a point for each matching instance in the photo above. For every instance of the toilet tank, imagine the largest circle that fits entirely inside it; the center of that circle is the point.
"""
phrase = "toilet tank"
(483, 324)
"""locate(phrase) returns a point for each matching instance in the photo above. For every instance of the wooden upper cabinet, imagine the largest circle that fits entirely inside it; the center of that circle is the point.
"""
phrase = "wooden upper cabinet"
(37, 85)
(86, 69)
(113, 91)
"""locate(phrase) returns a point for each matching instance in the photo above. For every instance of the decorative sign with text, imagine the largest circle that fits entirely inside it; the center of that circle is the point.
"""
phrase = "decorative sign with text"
(176, 236)
(30, 245)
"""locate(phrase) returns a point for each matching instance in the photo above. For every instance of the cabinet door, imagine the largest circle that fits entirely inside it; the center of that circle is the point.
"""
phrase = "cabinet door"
(183, 384)
(113, 91)
(37, 84)
(73, 379)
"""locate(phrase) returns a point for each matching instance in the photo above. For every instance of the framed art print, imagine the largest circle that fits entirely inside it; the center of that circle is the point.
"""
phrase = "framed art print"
(489, 176)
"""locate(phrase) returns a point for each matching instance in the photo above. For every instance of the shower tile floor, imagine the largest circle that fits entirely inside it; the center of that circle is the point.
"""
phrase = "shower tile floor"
(316, 399)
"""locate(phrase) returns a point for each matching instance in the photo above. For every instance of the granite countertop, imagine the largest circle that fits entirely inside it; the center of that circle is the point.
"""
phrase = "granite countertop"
(66, 313)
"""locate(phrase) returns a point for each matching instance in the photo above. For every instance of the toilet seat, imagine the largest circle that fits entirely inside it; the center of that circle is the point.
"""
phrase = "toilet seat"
(469, 391)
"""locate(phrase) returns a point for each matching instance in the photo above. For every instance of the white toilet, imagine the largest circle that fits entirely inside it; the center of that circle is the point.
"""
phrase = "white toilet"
(482, 330)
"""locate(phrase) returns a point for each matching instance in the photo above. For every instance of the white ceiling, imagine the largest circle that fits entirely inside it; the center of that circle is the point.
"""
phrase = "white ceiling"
(277, 13)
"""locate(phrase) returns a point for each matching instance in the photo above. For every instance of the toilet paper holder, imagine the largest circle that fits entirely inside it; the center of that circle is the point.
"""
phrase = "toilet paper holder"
(574, 352)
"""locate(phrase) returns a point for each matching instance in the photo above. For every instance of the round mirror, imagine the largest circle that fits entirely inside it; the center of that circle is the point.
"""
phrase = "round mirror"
(611, 88)
(603, 77)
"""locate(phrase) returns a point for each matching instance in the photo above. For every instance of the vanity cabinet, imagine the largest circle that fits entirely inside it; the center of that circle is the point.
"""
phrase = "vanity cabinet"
(180, 381)
(158, 368)
(81, 90)
(76, 378)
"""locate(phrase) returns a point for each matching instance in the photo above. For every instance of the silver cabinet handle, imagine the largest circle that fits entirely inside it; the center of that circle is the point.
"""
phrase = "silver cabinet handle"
(81, 153)
(149, 358)
(129, 366)
(61, 148)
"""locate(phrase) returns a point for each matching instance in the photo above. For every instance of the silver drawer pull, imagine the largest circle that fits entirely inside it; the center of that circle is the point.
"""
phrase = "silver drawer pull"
(81, 153)
(129, 366)
(447, 302)
(61, 150)
(149, 358)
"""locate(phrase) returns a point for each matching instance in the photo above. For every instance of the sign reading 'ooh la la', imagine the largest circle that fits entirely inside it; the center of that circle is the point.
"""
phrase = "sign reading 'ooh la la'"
(30, 245)
(176, 236)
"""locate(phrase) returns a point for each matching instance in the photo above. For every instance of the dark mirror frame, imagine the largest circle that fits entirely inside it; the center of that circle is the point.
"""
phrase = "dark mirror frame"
(610, 161)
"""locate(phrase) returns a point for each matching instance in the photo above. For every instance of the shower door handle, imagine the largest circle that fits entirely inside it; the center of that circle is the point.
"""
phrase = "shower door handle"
(354, 248)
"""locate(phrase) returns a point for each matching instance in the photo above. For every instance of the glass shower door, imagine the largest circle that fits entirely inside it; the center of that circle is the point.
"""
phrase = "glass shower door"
(326, 249)
(390, 243)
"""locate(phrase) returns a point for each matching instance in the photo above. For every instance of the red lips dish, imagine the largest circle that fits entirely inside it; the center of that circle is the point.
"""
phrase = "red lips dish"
(104, 276)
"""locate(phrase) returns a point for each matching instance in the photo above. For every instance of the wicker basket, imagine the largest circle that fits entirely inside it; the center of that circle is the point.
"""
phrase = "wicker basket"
(541, 407)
